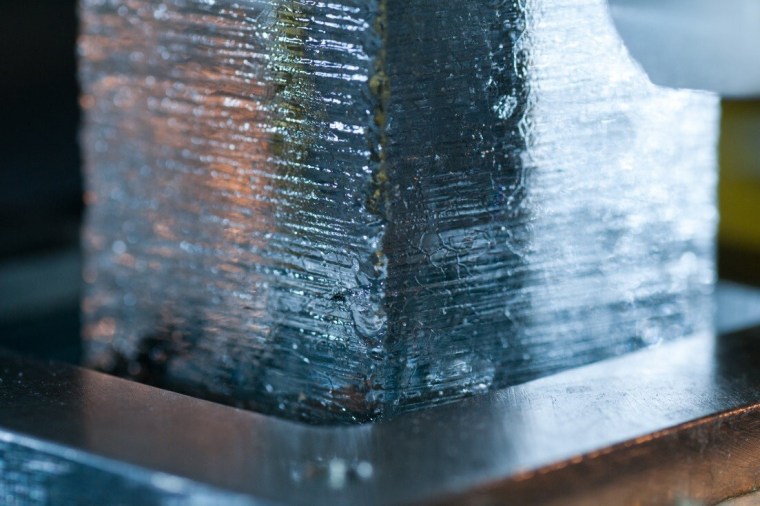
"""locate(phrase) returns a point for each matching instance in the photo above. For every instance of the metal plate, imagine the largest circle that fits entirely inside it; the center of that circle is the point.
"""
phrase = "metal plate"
(678, 420)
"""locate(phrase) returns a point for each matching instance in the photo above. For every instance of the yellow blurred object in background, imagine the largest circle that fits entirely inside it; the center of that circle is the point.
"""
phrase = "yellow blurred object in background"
(739, 190)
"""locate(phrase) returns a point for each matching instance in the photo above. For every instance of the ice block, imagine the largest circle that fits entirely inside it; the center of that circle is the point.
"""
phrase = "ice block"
(341, 211)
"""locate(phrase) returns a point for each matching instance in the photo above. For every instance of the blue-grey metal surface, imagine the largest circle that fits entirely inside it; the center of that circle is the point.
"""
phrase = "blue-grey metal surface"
(38, 472)
(698, 44)
(103, 428)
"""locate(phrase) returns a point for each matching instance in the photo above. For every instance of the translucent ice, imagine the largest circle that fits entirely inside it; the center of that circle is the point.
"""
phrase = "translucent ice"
(338, 211)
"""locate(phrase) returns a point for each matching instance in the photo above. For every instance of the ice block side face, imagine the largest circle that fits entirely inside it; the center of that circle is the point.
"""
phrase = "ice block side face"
(550, 207)
(338, 211)
(230, 149)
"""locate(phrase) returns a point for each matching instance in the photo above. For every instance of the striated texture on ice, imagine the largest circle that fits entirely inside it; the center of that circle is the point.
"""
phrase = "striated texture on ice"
(338, 211)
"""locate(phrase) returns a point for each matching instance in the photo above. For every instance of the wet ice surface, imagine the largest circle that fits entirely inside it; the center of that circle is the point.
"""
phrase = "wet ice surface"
(339, 211)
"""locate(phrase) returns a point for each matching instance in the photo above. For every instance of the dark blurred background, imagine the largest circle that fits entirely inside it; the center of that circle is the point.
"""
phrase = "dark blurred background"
(40, 182)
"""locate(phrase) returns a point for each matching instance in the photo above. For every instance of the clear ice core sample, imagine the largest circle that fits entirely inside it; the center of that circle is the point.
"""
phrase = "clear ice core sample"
(340, 211)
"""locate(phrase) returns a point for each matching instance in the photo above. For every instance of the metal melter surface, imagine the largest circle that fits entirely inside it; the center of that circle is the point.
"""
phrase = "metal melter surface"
(338, 211)
(69, 431)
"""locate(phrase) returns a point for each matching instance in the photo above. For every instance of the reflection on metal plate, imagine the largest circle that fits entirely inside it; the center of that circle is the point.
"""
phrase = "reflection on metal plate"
(337, 211)
(677, 421)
